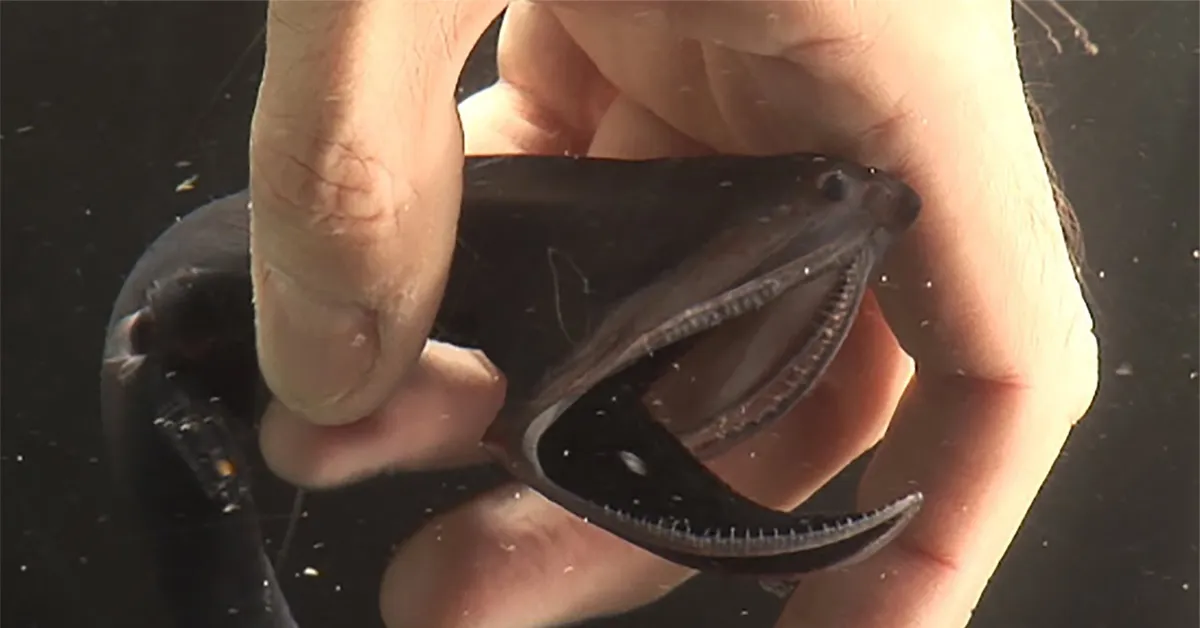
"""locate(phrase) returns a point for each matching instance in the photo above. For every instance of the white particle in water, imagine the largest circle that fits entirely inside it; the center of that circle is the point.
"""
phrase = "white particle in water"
(1195, 253)
(633, 462)
(1100, 274)
(883, 279)
(318, 545)
(568, 568)
(311, 573)
(359, 340)
(1125, 369)
(508, 547)
(726, 184)
(1184, 586)
(187, 184)
(928, 284)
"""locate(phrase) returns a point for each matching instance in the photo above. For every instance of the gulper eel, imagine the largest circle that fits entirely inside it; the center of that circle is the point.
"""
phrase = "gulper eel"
(585, 281)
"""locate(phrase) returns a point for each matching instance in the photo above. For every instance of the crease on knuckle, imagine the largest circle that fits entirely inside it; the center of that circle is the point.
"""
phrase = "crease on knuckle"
(915, 548)
(339, 187)
(1064, 389)
(888, 142)
(828, 34)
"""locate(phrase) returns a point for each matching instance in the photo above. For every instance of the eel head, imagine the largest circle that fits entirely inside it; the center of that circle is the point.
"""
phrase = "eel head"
(715, 348)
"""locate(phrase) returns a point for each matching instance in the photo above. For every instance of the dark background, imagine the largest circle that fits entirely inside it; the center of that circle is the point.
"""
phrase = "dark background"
(108, 106)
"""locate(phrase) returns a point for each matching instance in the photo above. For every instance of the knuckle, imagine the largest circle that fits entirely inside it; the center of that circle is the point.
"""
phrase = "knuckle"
(335, 187)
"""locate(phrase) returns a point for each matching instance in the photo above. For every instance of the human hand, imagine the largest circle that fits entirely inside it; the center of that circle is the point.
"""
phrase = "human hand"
(355, 182)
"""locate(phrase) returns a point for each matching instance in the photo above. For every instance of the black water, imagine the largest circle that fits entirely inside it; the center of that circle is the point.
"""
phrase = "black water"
(108, 107)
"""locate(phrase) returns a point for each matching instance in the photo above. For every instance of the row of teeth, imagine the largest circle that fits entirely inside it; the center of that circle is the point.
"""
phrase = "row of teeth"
(741, 300)
(679, 532)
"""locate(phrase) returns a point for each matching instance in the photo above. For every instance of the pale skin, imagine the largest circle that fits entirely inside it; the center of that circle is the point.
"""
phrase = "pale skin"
(356, 155)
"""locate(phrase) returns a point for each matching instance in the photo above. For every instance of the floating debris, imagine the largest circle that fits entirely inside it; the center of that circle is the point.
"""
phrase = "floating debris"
(1079, 31)
(188, 184)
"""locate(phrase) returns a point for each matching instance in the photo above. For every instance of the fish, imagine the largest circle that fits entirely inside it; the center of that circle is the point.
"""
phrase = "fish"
(603, 289)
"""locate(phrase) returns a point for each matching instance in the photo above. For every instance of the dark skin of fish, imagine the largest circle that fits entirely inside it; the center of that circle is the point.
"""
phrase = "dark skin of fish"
(586, 281)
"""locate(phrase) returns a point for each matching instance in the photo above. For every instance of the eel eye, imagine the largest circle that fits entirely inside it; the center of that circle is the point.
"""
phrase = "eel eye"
(833, 186)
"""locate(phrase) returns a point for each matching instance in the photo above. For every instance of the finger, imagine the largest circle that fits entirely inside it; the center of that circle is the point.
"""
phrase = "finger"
(511, 558)
(436, 416)
(550, 97)
(435, 420)
(356, 165)
(984, 296)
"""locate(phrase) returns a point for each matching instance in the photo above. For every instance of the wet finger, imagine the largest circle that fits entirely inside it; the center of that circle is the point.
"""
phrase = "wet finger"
(435, 416)
(434, 419)
(356, 165)
(983, 294)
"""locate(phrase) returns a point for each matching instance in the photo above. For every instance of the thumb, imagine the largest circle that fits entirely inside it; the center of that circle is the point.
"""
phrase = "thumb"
(355, 182)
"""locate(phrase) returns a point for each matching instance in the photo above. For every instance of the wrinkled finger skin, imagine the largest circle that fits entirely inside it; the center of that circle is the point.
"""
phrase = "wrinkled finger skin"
(355, 180)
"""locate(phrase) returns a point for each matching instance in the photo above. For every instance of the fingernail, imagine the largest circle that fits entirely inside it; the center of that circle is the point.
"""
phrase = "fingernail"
(314, 352)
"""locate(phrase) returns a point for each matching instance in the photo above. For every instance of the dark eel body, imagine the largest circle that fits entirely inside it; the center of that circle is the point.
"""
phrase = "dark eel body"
(586, 282)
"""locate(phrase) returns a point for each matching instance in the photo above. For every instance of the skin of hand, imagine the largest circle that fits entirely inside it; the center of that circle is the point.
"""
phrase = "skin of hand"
(356, 156)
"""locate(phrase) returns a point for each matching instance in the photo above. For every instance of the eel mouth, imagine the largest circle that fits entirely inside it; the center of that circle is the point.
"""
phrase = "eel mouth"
(618, 434)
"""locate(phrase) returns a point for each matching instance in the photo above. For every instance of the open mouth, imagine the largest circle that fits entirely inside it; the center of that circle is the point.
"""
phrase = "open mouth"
(685, 369)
